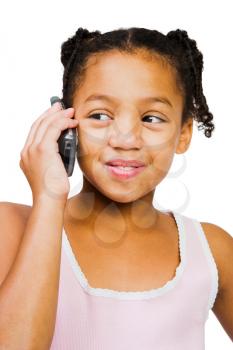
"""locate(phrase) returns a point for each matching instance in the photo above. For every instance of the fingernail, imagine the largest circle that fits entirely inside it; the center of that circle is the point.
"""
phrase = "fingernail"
(69, 110)
(57, 105)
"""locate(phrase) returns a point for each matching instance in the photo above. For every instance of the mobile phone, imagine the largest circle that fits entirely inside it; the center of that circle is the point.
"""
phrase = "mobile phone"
(67, 142)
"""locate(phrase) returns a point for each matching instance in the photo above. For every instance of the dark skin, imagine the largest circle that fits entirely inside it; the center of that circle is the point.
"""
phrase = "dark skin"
(127, 127)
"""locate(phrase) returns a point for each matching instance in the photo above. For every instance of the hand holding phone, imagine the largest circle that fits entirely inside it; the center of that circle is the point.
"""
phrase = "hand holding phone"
(67, 143)
(40, 159)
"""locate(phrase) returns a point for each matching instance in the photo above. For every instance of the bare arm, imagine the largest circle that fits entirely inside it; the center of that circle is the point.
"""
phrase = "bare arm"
(29, 293)
(223, 308)
(222, 246)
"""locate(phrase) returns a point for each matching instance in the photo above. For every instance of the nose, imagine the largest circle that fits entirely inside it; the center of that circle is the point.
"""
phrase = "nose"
(125, 133)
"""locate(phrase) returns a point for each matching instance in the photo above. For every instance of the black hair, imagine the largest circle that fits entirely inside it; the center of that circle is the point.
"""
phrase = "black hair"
(175, 48)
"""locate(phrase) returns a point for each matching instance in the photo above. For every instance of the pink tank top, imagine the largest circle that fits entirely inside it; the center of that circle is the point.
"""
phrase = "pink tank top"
(168, 318)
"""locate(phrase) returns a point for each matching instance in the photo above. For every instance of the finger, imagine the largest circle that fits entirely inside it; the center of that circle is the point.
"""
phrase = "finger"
(52, 133)
(45, 123)
(50, 111)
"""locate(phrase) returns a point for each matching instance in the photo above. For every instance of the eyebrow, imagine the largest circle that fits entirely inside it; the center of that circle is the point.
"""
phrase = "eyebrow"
(109, 98)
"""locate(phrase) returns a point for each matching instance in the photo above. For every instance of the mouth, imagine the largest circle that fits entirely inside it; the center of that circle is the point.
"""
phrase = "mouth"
(126, 163)
(124, 172)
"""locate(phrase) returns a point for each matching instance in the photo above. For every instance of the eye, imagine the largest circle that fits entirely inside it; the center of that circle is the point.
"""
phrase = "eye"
(153, 116)
(96, 115)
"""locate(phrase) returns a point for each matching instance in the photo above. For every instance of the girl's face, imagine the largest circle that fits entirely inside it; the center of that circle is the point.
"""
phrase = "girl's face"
(139, 118)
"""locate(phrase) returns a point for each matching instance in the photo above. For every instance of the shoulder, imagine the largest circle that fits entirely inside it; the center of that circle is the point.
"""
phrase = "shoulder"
(13, 219)
(18, 211)
(221, 245)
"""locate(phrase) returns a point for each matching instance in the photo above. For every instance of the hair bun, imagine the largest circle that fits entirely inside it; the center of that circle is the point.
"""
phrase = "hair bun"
(69, 46)
(181, 38)
(177, 34)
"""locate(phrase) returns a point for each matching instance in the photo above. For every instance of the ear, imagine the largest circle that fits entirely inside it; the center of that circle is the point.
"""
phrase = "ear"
(185, 136)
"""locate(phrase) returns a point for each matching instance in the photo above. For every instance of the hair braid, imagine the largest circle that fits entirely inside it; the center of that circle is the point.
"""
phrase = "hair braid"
(195, 58)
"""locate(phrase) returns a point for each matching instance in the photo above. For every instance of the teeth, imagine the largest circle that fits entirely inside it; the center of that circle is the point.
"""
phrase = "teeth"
(124, 167)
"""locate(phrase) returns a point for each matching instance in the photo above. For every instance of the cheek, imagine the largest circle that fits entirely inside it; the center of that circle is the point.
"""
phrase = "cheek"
(160, 142)
(162, 162)
(165, 138)
(90, 148)
(161, 151)
(91, 137)
(161, 138)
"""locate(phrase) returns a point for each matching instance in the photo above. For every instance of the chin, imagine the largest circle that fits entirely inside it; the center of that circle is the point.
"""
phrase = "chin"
(121, 197)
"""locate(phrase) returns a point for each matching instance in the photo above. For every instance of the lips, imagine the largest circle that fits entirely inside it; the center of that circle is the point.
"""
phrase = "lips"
(124, 173)
(125, 162)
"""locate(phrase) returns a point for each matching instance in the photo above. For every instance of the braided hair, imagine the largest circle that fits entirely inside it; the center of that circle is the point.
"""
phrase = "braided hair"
(176, 48)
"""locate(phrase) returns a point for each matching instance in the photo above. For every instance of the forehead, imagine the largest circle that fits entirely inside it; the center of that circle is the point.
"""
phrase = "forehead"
(140, 73)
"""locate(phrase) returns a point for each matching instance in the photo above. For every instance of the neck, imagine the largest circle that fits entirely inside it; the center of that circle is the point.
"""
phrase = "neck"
(92, 208)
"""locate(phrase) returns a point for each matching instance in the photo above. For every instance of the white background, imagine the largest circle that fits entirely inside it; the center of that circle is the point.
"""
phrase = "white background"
(31, 35)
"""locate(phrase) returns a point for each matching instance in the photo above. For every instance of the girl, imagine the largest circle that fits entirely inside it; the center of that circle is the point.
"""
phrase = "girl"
(105, 269)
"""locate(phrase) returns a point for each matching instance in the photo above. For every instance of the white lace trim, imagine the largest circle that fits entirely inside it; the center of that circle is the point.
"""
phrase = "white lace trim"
(212, 265)
(130, 295)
